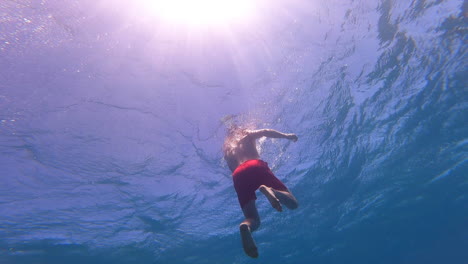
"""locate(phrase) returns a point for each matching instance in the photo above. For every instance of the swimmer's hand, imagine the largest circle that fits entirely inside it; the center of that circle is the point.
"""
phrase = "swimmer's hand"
(292, 137)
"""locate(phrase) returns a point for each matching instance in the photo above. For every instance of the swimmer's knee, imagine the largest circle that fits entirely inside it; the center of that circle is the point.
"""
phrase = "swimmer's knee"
(253, 223)
(257, 225)
(293, 205)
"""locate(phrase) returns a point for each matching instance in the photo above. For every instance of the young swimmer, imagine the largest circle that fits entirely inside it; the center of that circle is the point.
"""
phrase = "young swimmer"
(250, 173)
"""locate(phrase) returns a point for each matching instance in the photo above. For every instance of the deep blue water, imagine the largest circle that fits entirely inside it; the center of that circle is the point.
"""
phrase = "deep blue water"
(111, 132)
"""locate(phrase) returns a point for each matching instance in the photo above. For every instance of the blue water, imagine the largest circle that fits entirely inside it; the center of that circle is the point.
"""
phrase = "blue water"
(111, 133)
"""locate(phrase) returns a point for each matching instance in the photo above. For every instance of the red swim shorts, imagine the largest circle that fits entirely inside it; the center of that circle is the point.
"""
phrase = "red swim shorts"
(249, 176)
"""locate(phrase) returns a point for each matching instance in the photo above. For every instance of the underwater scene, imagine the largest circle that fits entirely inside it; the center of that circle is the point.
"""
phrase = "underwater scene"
(113, 115)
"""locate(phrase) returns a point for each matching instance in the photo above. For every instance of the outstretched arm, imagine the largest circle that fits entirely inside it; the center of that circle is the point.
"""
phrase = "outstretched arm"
(271, 133)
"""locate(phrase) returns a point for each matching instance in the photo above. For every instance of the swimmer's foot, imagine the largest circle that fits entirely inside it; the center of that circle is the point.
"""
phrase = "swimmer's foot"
(247, 241)
(270, 194)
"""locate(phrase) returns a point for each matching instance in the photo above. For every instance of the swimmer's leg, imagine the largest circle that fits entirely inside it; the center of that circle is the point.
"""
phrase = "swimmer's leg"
(250, 224)
(276, 198)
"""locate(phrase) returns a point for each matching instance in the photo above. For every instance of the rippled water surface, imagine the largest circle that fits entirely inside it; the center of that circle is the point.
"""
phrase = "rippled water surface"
(111, 132)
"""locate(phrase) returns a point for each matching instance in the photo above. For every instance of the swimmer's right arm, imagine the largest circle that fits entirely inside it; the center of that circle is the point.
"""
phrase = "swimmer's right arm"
(271, 133)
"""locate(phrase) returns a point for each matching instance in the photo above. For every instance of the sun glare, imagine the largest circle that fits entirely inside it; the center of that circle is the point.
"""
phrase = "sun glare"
(199, 12)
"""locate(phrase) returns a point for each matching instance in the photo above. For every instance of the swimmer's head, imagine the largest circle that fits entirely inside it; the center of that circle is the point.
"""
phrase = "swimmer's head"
(228, 119)
(233, 129)
(231, 122)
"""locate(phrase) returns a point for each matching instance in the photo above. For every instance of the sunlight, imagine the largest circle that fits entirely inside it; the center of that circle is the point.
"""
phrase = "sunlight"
(199, 12)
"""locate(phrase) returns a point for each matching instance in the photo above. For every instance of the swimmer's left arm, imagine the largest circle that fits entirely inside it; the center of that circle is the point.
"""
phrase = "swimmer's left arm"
(271, 133)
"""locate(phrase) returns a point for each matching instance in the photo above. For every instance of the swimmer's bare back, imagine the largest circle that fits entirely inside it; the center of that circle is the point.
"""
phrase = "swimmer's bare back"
(242, 146)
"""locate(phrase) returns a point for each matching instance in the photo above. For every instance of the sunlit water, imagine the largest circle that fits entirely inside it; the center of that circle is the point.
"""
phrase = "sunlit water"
(111, 132)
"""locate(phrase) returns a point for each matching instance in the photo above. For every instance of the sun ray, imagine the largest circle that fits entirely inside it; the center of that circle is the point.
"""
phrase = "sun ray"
(207, 13)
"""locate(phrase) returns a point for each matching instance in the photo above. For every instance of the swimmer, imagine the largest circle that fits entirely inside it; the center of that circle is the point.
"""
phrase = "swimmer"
(249, 174)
